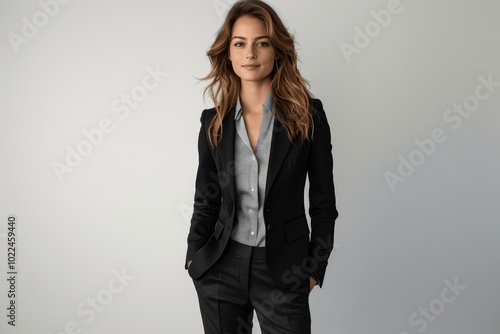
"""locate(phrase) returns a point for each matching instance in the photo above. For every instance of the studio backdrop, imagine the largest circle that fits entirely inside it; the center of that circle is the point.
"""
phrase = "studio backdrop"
(99, 119)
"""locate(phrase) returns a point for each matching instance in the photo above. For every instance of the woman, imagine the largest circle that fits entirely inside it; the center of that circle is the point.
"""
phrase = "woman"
(248, 245)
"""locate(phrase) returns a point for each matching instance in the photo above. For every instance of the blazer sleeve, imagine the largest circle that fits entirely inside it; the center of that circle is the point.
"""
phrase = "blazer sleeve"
(322, 206)
(207, 198)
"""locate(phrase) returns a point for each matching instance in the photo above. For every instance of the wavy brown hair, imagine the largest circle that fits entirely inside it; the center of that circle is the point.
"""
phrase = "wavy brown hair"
(289, 88)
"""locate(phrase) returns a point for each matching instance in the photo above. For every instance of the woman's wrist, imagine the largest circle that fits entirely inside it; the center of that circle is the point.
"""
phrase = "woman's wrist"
(314, 278)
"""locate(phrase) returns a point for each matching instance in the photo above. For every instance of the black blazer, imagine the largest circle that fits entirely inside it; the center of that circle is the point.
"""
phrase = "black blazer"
(291, 255)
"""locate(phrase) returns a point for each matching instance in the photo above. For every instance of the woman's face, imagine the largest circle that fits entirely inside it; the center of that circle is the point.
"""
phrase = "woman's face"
(250, 51)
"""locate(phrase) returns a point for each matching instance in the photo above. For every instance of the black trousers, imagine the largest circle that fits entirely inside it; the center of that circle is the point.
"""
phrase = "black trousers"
(239, 283)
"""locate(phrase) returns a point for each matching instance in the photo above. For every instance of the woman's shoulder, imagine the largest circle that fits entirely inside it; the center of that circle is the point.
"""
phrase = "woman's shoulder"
(315, 102)
(317, 107)
(207, 115)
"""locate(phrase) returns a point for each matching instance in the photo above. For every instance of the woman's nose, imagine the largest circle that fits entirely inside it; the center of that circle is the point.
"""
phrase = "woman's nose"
(251, 53)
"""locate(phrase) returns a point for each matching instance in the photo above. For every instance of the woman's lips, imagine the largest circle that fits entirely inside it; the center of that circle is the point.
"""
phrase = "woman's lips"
(250, 67)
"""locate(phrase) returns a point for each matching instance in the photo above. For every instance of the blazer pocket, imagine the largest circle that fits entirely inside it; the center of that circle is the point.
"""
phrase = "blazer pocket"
(219, 227)
(296, 228)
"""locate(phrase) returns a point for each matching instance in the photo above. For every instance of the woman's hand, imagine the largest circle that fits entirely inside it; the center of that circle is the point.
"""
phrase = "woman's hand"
(312, 283)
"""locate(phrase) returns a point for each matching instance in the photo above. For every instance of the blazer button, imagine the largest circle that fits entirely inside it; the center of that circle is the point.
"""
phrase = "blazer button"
(269, 227)
(268, 210)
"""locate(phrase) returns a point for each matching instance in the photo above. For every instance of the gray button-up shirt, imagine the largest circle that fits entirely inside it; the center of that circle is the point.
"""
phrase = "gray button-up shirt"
(250, 176)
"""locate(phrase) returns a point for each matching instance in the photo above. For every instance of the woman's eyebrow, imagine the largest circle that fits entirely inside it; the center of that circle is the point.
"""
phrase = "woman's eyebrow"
(260, 37)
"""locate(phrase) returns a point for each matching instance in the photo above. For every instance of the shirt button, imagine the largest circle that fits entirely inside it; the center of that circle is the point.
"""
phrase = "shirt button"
(252, 189)
(252, 233)
(253, 158)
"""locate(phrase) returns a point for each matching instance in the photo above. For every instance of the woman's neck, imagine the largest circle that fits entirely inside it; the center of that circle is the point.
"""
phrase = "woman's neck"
(252, 96)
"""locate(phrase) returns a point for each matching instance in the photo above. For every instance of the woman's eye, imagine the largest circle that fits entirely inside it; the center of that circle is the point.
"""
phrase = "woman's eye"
(241, 44)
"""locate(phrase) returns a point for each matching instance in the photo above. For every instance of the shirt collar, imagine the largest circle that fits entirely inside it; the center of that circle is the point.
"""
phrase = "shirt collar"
(266, 106)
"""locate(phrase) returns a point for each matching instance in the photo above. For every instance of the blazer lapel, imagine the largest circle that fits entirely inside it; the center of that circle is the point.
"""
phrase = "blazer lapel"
(280, 144)
(226, 149)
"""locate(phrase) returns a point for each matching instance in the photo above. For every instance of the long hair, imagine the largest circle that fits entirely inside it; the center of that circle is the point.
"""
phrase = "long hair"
(289, 88)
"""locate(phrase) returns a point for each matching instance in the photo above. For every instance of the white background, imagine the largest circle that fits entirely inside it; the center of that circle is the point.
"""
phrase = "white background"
(126, 206)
